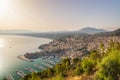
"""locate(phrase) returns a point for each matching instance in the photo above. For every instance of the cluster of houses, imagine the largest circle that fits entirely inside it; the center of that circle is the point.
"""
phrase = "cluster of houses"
(78, 46)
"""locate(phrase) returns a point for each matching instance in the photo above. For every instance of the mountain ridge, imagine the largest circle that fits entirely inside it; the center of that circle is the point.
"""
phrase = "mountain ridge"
(87, 30)
(57, 35)
(91, 30)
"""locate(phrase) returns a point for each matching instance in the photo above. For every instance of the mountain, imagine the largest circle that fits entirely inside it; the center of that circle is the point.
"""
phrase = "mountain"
(90, 30)
(56, 35)
(111, 33)
(116, 32)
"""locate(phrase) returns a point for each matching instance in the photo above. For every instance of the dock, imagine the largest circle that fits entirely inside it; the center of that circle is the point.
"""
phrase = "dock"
(50, 61)
(31, 70)
(38, 66)
(9, 77)
(48, 65)
(20, 73)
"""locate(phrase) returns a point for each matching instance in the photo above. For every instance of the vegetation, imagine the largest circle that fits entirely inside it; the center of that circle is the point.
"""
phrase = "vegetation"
(99, 65)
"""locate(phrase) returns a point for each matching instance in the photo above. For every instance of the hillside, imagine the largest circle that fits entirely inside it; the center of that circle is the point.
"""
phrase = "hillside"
(112, 33)
(90, 30)
(53, 35)
(97, 65)
(86, 57)
(75, 46)
(115, 33)
(57, 35)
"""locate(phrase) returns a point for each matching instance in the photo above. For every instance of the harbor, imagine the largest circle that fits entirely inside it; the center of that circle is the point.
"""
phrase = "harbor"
(20, 73)
(9, 77)
(21, 57)
(36, 67)
(31, 70)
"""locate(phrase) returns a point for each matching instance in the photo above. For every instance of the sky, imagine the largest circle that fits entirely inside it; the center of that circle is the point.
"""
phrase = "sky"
(59, 15)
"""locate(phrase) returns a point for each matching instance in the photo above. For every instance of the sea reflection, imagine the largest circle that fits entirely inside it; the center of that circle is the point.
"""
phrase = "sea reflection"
(13, 46)
(2, 42)
(1, 64)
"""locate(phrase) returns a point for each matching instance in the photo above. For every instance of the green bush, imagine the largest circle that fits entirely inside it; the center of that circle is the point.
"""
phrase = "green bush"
(34, 76)
(59, 77)
(59, 69)
(87, 65)
(109, 68)
(50, 72)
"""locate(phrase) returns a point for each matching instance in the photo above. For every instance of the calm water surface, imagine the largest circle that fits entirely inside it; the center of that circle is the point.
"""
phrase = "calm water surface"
(11, 47)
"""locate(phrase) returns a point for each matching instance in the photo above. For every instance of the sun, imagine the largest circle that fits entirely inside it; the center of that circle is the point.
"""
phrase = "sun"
(4, 7)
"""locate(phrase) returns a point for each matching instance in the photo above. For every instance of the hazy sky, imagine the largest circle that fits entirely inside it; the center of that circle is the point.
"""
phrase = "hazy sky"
(57, 15)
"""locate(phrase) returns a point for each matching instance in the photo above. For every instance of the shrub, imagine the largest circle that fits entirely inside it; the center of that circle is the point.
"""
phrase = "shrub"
(59, 77)
(87, 65)
(109, 68)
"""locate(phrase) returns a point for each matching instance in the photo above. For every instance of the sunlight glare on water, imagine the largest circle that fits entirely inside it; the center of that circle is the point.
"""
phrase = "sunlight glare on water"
(2, 43)
(13, 46)
(1, 64)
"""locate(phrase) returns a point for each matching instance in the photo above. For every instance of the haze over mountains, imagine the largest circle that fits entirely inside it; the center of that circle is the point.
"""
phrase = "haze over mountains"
(88, 30)
(55, 35)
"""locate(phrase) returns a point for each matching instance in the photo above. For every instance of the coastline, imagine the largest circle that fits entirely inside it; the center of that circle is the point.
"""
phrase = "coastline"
(22, 57)
(69, 47)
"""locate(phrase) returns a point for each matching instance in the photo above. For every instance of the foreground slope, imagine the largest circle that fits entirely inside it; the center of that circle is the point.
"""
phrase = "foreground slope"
(98, 65)
(76, 46)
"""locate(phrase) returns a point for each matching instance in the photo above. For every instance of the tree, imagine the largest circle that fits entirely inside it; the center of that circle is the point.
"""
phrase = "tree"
(94, 54)
(34, 77)
(50, 72)
(59, 69)
(66, 64)
(59, 77)
(87, 65)
(78, 71)
(75, 60)
(111, 43)
(109, 68)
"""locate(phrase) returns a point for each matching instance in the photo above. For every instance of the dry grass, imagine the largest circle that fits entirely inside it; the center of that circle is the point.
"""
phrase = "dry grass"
(82, 77)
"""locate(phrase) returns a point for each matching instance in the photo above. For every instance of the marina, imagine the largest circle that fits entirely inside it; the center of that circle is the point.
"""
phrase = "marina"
(13, 58)
(38, 66)
(9, 77)
(46, 63)
(31, 70)
(20, 73)
(50, 61)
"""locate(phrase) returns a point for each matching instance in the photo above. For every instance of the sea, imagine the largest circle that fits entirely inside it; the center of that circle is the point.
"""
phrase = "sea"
(12, 46)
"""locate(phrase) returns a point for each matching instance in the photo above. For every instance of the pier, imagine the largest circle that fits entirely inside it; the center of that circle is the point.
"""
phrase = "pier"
(50, 61)
(20, 73)
(31, 70)
(38, 66)
(48, 65)
(9, 77)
